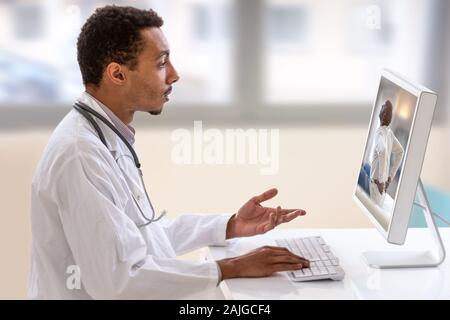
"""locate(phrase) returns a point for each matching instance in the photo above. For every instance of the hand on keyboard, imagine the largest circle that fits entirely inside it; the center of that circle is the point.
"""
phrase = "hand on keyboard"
(261, 262)
(323, 263)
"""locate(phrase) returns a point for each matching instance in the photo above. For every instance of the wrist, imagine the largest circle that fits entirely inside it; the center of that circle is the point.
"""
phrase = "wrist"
(231, 227)
(228, 268)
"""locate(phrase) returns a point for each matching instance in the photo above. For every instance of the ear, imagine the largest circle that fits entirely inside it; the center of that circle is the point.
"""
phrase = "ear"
(115, 73)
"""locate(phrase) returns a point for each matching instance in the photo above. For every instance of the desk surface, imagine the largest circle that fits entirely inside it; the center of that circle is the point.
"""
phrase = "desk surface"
(360, 282)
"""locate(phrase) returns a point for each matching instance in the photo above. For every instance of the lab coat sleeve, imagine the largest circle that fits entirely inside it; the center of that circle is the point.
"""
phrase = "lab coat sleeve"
(397, 156)
(106, 244)
(189, 232)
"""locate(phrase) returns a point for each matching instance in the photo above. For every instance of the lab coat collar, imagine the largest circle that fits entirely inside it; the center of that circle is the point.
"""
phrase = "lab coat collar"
(126, 130)
(112, 139)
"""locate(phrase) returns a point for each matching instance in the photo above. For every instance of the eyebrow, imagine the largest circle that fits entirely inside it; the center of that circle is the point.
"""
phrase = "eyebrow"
(163, 53)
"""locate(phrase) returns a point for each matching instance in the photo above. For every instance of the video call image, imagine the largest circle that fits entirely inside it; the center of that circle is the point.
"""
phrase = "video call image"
(385, 149)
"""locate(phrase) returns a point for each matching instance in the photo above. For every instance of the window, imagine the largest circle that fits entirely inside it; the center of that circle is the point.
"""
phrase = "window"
(38, 53)
(247, 56)
(332, 51)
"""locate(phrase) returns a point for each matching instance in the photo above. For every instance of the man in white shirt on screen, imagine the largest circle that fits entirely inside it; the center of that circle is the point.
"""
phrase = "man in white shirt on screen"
(386, 157)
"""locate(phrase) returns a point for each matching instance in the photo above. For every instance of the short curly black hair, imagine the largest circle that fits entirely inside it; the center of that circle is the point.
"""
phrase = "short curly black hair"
(112, 34)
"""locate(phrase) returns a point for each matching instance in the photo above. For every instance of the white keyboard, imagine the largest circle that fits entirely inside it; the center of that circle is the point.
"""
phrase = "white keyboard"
(323, 264)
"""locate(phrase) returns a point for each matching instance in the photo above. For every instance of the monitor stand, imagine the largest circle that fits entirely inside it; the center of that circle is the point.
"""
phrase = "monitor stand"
(412, 259)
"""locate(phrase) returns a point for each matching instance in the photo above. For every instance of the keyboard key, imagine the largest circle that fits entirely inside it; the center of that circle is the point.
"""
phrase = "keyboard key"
(323, 270)
(318, 271)
(312, 252)
(330, 255)
(324, 256)
(307, 272)
(299, 274)
(301, 247)
(296, 248)
(331, 270)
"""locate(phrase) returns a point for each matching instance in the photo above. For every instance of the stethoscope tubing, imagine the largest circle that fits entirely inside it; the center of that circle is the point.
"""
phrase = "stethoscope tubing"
(86, 111)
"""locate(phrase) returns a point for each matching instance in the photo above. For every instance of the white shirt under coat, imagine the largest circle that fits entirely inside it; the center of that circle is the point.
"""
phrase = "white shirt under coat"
(385, 160)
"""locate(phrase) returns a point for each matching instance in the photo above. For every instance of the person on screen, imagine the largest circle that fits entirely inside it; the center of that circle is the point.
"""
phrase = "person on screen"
(386, 157)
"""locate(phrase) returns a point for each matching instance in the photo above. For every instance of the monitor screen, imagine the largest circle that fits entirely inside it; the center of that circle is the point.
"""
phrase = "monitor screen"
(386, 145)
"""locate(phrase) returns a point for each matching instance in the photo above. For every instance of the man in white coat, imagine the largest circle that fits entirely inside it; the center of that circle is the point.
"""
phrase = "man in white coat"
(386, 157)
(90, 215)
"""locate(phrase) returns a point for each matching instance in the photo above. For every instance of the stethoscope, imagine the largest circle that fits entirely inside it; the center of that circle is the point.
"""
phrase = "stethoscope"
(87, 112)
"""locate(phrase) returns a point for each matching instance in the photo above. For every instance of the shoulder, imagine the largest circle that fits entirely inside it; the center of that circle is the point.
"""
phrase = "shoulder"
(390, 132)
(71, 142)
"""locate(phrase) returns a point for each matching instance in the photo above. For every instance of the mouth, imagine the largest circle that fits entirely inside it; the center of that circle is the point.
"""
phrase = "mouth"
(167, 93)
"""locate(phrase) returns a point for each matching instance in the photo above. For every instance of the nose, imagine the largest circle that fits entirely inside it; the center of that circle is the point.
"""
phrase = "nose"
(172, 75)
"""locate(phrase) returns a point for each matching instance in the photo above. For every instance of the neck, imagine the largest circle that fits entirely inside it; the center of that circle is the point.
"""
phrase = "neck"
(113, 102)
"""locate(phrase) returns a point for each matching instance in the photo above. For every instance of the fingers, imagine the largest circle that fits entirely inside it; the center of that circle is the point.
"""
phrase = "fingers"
(265, 261)
(288, 261)
(286, 215)
(269, 194)
(290, 258)
(283, 255)
(271, 224)
(287, 267)
(287, 211)
(276, 218)
(263, 228)
(291, 216)
(273, 248)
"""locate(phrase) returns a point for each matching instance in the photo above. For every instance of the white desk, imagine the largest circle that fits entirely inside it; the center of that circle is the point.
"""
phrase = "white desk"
(360, 282)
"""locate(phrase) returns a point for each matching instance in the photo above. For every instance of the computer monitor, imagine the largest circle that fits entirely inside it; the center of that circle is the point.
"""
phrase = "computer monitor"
(389, 174)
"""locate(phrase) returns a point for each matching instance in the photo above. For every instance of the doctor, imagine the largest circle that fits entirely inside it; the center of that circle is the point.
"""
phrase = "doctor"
(386, 157)
(91, 216)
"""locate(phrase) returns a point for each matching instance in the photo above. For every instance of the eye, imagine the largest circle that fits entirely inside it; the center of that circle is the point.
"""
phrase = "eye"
(162, 64)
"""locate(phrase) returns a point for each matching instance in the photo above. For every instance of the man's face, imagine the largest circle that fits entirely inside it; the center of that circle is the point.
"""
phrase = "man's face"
(151, 81)
(386, 116)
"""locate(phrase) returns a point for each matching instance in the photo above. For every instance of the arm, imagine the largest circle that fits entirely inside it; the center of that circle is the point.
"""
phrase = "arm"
(189, 232)
(397, 156)
(113, 257)
(251, 219)
(380, 154)
(193, 231)
(378, 164)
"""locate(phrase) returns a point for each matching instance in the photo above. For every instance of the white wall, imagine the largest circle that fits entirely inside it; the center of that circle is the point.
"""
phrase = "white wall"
(318, 170)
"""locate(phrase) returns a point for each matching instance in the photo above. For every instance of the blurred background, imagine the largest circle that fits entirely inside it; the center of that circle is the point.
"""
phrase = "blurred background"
(307, 67)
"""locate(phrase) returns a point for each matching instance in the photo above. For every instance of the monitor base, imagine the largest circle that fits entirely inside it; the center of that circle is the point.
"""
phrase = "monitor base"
(401, 259)
(412, 259)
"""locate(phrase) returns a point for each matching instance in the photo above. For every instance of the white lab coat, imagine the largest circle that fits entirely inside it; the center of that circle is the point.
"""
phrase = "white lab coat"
(385, 160)
(83, 215)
